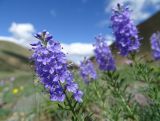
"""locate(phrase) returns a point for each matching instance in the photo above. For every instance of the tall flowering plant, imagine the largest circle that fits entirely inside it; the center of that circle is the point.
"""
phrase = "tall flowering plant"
(103, 54)
(50, 65)
(124, 29)
(128, 42)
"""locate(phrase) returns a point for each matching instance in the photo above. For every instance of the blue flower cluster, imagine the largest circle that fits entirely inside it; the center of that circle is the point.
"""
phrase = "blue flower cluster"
(155, 45)
(51, 67)
(126, 33)
(87, 71)
(103, 55)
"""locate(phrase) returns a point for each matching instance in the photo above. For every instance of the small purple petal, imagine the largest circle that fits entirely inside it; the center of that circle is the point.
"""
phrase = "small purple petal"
(78, 96)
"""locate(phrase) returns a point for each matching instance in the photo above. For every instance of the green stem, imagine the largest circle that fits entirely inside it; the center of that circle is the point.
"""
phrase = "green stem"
(97, 92)
(69, 104)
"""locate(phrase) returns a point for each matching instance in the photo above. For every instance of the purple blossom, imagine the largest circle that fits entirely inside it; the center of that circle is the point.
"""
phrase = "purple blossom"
(72, 87)
(87, 71)
(57, 94)
(155, 45)
(103, 55)
(77, 96)
(51, 67)
(126, 33)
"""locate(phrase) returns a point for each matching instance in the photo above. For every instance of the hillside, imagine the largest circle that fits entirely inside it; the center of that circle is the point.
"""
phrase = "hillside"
(146, 29)
(13, 57)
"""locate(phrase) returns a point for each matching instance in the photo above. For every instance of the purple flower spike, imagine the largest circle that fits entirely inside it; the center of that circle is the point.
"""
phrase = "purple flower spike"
(126, 33)
(87, 71)
(155, 45)
(103, 55)
(51, 67)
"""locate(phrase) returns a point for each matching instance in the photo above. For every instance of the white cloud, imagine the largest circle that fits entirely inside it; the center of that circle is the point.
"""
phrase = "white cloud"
(22, 33)
(10, 39)
(78, 48)
(77, 51)
(21, 30)
(138, 7)
(110, 39)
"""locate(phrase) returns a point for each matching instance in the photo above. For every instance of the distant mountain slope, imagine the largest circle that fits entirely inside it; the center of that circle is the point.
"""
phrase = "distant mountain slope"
(146, 29)
(13, 57)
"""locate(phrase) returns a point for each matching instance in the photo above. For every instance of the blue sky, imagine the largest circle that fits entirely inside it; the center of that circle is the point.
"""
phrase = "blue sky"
(68, 20)
(74, 23)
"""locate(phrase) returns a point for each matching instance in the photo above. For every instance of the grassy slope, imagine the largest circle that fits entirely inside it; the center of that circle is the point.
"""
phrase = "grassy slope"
(13, 57)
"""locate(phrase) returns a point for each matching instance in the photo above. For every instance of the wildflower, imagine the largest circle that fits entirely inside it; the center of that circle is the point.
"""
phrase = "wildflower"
(51, 67)
(15, 91)
(87, 71)
(155, 45)
(126, 33)
(103, 54)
